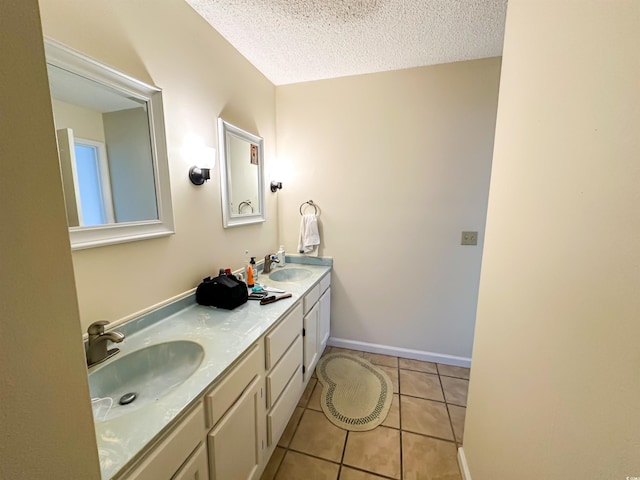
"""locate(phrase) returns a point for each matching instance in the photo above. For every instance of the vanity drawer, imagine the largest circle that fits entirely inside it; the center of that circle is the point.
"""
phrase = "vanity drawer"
(325, 282)
(311, 298)
(279, 416)
(224, 395)
(281, 337)
(283, 371)
(168, 456)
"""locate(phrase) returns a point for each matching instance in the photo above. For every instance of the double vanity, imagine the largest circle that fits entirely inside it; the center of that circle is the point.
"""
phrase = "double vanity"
(214, 389)
(195, 392)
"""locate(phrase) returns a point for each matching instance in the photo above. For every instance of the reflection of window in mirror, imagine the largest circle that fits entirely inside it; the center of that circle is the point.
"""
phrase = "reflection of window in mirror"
(92, 183)
(126, 165)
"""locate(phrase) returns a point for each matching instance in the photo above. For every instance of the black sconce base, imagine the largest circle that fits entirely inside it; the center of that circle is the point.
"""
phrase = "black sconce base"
(199, 175)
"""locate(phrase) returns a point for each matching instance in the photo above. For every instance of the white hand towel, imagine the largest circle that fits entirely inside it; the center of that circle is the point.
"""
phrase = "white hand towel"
(309, 240)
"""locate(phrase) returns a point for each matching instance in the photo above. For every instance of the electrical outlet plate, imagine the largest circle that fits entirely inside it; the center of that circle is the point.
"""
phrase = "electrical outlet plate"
(469, 238)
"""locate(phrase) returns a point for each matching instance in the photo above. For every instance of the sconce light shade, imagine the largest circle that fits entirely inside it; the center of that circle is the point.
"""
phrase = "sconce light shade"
(275, 186)
(199, 175)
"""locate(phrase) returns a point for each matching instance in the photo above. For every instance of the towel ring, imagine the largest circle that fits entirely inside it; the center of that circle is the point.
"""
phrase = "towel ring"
(309, 202)
(247, 203)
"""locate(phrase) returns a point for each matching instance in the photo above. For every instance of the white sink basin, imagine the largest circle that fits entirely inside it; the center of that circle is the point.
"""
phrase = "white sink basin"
(290, 275)
(149, 373)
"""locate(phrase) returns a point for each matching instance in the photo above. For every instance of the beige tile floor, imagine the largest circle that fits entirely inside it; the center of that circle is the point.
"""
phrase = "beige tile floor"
(417, 441)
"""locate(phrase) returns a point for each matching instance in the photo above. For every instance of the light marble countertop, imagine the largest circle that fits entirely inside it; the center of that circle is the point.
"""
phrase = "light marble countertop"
(224, 335)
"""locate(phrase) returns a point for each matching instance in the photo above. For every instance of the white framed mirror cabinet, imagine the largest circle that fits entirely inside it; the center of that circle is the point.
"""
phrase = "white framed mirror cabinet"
(112, 150)
(241, 175)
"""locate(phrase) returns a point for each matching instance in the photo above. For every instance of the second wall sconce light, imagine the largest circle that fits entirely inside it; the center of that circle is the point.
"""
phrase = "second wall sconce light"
(275, 186)
(199, 175)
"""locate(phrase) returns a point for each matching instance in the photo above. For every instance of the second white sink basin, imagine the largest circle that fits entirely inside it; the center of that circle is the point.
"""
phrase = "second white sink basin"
(290, 274)
(148, 373)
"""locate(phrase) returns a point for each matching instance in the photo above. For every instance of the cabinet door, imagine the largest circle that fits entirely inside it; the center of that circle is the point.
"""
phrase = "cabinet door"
(196, 467)
(235, 443)
(325, 320)
(311, 341)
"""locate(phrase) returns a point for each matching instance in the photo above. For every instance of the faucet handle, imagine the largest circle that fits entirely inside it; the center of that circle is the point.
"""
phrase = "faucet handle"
(97, 328)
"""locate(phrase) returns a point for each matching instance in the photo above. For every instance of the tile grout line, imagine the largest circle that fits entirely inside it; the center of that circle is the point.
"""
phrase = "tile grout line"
(451, 424)
(429, 372)
(418, 434)
(380, 475)
(275, 474)
(317, 457)
(286, 449)
(446, 405)
(453, 431)
(344, 450)
(435, 400)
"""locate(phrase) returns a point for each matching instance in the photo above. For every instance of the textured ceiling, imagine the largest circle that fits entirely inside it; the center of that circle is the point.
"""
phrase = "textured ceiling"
(292, 41)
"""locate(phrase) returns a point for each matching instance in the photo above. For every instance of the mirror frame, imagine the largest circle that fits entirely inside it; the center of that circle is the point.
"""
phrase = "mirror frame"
(225, 130)
(75, 62)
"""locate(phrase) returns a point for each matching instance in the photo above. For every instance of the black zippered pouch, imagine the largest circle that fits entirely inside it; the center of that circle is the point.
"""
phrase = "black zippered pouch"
(223, 291)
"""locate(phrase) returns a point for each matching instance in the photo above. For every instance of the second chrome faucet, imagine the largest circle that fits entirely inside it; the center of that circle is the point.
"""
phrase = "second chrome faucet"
(269, 259)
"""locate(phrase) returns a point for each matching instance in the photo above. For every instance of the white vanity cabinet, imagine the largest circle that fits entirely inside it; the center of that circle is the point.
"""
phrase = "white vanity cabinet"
(284, 380)
(179, 455)
(324, 325)
(235, 414)
(317, 315)
(311, 353)
(196, 467)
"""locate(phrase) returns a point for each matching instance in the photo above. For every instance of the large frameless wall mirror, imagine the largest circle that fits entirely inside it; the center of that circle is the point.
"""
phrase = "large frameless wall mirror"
(241, 175)
(112, 150)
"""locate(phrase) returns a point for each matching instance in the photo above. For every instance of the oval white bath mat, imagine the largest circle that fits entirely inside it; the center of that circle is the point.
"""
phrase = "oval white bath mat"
(356, 395)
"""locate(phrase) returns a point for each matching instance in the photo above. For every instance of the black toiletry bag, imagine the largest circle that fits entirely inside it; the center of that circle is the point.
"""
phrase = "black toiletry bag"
(224, 291)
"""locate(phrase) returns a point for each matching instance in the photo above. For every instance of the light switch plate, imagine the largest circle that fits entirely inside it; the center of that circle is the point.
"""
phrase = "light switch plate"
(469, 238)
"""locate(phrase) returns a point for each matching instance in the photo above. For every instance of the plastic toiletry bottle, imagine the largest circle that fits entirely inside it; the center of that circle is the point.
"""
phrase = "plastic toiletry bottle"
(281, 256)
(250, 282)
(255, 269)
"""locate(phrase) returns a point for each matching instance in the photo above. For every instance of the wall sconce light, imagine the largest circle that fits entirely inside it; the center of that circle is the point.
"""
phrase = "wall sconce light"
(199, 175)
(275, 186)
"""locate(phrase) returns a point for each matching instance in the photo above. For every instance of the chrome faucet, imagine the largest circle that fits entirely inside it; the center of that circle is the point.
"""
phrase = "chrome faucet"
(97, 349)
(268, 260)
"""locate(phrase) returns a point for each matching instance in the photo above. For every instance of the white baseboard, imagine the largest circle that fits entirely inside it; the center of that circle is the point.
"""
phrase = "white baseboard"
(462, 462)
(401, 352)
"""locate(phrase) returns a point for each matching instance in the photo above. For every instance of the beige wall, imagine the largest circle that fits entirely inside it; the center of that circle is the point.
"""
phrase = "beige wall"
(130, 164)
(46, 428)
(399, 163)
(84, 122)
(167, 44)
(555, 384)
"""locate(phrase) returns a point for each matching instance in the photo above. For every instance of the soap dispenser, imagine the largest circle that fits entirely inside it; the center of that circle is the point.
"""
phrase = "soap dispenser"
(281, 256)
(250, 280)
(255, 269)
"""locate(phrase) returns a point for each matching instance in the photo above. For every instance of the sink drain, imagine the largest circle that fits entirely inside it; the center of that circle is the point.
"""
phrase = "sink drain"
(127, 398)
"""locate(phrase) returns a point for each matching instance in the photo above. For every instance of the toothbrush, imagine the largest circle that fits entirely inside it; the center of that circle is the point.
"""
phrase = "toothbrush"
(271, 289)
